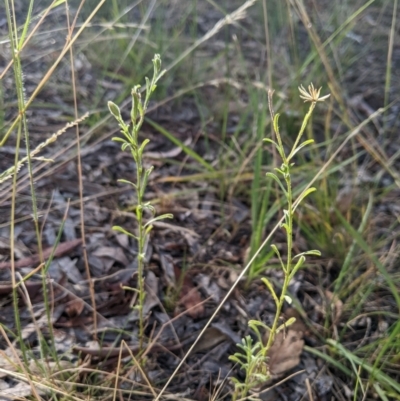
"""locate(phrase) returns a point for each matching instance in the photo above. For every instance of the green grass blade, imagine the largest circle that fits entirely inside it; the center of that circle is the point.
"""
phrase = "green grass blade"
(26, 25)
(375, 373)
(329, 359)
(344, 270)
(365, 247)
(177, 142)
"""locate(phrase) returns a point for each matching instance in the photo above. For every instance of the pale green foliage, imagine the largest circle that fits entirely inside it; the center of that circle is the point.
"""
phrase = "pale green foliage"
(130, 142)
(254, 357)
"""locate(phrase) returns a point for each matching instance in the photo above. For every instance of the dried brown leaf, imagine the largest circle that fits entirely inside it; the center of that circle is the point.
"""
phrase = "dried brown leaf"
(285, 352)
(62, 249)
(74, 307)
(189, 296)
(210, 339)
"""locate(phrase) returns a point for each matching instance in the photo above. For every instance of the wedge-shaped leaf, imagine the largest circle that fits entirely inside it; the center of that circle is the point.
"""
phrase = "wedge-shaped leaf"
(114, 110)
(276, 179)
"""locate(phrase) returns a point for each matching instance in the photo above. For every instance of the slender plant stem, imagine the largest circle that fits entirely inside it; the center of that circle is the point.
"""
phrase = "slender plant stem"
(130, 140)
(254, 357)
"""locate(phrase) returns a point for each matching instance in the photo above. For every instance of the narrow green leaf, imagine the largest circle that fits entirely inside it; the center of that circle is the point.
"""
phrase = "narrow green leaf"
(123, 231)
(372, 255)
(118, 139)
(276, 179)
(298, 265)
(127, 182)
(177, 142)
(258, 323)
(276, 122)
(157, 63)
(304, 195)
(377, 374)
(135, 94)
(58, 3)
(285, 325)
(158, 218)
(271, 288)
(273, 143)
(312, 252)
(305, 143)
(325, 357)
(142, 146)
(380, 392)
(277, 253)
(124, 287)
(279, 170)
(286, 227)
(235, 359)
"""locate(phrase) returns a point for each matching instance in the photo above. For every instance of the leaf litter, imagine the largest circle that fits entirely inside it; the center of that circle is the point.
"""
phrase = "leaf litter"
(192, 262)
